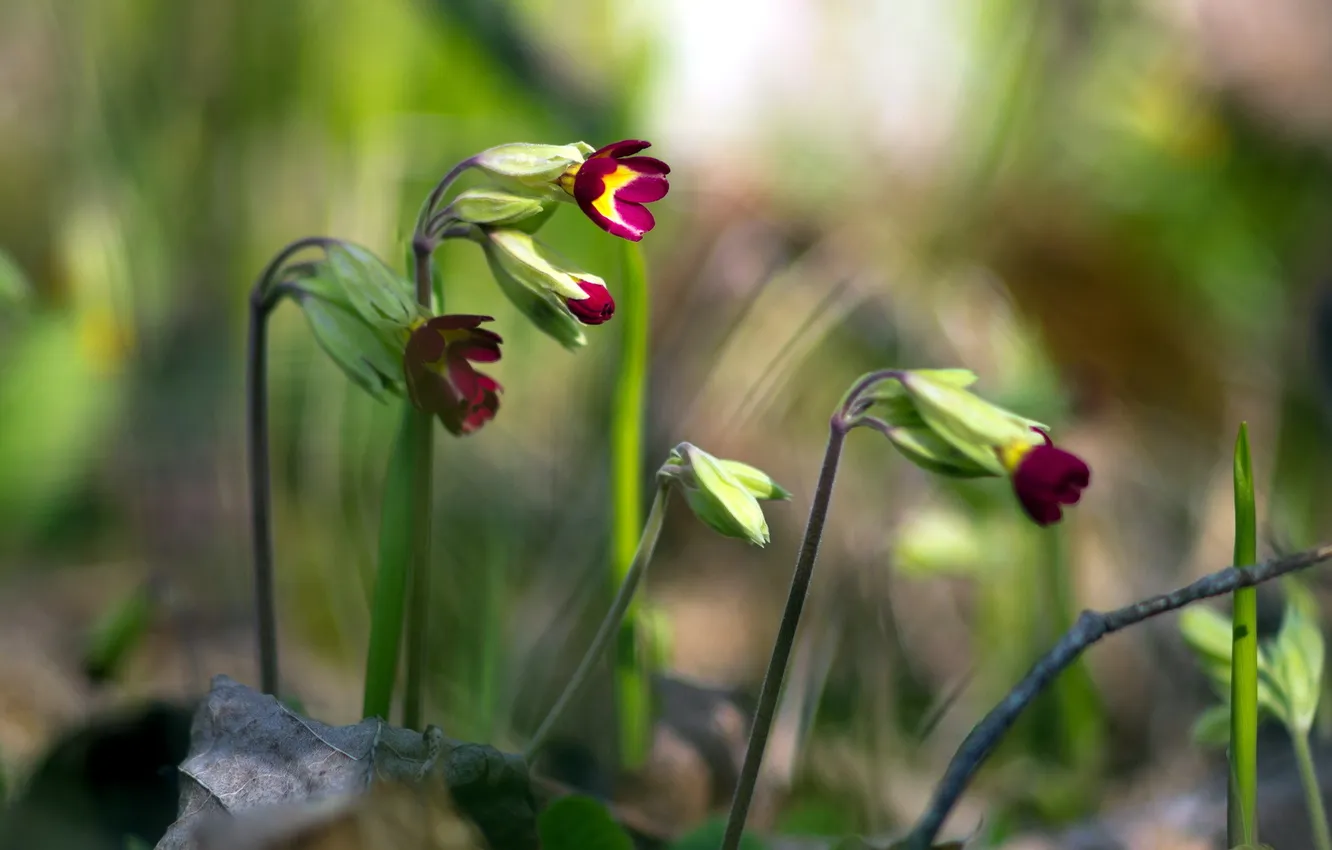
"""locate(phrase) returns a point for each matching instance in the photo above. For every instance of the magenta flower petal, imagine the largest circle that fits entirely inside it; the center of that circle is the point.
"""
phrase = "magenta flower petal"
(597, 308)
(627, 147)
(644, 190)
(611, 187)
(646, 165)
(440, 376)
(1048, 477)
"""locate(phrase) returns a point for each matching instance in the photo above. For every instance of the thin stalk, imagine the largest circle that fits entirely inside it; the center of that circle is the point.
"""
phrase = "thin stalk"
(1091, 627)
(1313, 795)
(418, 613)
(263, 298)
(632, 681)
(610, 626)
(1242, 802)
(786, 633)
(432, 202)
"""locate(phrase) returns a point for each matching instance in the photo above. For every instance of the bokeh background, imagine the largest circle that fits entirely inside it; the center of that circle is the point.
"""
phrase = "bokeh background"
(1116, 213)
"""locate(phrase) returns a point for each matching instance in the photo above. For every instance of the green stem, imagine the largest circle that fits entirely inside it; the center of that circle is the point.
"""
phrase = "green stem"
(632, 682)
(418, 612)
(786, 632)
(1242, 803)
(614, 618)
(396, 530)
(1313, 796)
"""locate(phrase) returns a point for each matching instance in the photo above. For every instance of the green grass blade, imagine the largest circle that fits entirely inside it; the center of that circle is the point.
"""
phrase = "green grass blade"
(395, 553)
(1242, 808)
(632, 682)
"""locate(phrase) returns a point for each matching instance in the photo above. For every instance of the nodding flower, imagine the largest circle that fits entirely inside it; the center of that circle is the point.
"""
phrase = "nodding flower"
(597, 308)
(1045, 478)
(612, 185)
(440, 377)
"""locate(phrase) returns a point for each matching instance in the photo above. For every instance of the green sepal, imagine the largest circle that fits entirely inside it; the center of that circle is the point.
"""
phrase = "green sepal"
(362, 352)
(973, 426)
(721, 502)
(932, 453)
(530, 162)
(759, 484)
(542, 307)
(375, 292)
(494, 207)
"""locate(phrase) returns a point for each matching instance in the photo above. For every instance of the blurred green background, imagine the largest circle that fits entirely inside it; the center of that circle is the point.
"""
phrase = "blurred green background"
(1115, 212)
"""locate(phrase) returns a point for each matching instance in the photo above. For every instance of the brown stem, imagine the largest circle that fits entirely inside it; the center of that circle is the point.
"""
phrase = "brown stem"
(1090, 627)
(265, 295)
(786, 635)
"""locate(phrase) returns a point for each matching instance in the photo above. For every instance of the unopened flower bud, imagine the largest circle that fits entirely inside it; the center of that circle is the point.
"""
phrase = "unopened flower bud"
(940, 425)
(527, 260)
(531, 163)
(597, 308)
(494, 207)
(725, 502)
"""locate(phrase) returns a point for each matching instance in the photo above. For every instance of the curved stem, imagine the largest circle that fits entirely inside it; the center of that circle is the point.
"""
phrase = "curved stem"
(428, 209)
(786, 633)
(852, 397)
(1313, 795)
(610, 626)
(264, 297)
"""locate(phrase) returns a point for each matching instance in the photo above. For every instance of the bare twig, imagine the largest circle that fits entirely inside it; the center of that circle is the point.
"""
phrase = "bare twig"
(1090, 627)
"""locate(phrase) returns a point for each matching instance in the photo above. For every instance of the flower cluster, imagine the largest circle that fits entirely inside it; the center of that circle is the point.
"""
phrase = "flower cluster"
(610, 185)
(938, 424)
(367, 317)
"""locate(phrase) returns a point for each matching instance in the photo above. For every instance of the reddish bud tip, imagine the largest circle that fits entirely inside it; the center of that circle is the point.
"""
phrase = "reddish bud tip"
(1046, 478)
(596, 308)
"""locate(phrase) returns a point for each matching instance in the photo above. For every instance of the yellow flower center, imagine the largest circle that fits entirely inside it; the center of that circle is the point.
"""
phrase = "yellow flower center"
(613, 182)
(1012, 454)
(566, 180)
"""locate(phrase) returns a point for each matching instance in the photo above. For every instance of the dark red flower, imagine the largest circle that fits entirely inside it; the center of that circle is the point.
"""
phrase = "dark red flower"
(440, 377)
(596, 308)
(612, 185)
(1047, 477)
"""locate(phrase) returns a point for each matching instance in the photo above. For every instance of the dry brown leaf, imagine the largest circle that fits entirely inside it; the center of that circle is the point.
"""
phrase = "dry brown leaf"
(393, 815)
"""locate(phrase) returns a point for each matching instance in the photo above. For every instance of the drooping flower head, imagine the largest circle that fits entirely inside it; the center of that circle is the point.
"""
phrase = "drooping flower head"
(612, 185)
(440, 376)
(1045, 478)
(597, 308)
(936, 422)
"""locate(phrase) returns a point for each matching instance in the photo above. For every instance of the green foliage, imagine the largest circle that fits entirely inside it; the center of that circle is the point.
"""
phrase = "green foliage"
(580, 823)
(57, 400)
(633, 671)
(360, 312)
(708, 836)
(116, 634)
(15, 290)
(1244, 662)
(1292, 663)
(363, 355)
(388, 608)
